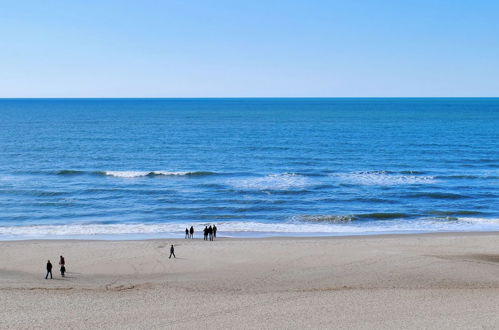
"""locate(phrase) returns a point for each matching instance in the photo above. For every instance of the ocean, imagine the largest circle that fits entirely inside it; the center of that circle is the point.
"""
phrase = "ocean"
(149, 168)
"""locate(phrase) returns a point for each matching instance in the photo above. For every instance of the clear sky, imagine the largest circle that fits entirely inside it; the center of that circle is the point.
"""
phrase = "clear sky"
(210, 48)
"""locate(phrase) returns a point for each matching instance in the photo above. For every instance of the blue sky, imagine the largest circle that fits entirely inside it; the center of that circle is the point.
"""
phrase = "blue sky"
(248, 48)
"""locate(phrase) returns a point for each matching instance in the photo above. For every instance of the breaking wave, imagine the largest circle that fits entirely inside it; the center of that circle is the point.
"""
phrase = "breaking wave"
(135, 174)
(383, 178)
(323, 218)
(286, 181)
(244, 228)
(347, 218)
(485, 221)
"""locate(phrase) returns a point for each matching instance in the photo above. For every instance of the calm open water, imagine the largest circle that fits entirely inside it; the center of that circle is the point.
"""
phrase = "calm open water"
(139, 168)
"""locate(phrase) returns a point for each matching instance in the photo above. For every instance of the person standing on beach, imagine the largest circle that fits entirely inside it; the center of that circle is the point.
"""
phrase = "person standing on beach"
(205, 232)
(49, 270)
(62, 263)
(192, 232)
(210, 232)
(63, 270)
(172, 252)
(214, 231)
(186, 233)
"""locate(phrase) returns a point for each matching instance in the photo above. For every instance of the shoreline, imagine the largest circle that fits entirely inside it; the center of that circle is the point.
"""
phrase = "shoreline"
(277, 237)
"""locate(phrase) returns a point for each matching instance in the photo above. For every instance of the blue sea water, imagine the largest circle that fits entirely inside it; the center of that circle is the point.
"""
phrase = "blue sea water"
(142, 168)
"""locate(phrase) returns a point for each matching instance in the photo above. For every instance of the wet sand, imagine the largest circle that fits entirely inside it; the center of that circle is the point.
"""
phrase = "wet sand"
(434, 281)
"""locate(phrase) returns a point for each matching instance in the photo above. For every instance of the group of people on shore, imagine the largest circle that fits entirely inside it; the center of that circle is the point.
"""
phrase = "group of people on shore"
(189, 233)
(62, 263)
(209, 233)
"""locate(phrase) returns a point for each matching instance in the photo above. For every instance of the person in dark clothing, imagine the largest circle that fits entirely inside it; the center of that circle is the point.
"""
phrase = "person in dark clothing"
(49, 270)
(192, 232)
(205, 231)
(62, 263)
(186, 233)
(210, 233)
(172, 252)
(214, 231)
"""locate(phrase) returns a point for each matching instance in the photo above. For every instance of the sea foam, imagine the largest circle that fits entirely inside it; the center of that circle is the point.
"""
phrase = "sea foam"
(382, 178)
(137, 174)
(133, 174)
(285, 181)
(252, 228)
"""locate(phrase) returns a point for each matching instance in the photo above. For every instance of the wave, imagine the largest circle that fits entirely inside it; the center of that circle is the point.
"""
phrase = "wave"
(323, 218)
(382, 178)
(69, 172)
(382, 215)
(31, 192)
(486, 221)
(464, 220)
(469, 177)
(412, 172)
(464, 177)
(249, 228)
(134, 174)
(348, 218)
(437, 195)
(279, 182)
(447, 213)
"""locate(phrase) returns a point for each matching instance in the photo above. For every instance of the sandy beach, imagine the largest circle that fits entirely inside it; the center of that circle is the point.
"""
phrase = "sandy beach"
(437, 281)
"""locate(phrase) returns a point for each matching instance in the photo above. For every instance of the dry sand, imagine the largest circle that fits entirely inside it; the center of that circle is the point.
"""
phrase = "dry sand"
(439, 281)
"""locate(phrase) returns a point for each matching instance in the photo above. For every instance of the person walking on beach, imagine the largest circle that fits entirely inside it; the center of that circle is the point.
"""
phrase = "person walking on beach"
(192, 232)
(214, 231)
(205, 232)
(186, 233)
(172, 252)
(49, 270)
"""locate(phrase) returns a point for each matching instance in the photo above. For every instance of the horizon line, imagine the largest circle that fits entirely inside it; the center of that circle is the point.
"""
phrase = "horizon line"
(245, 97)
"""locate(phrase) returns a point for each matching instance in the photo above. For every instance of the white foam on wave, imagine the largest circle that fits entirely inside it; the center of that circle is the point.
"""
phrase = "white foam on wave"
(137, 174)
(286, 181)
(330, 218)
(126, 174)
(259, 228)
(382, 178)
(483, 221)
